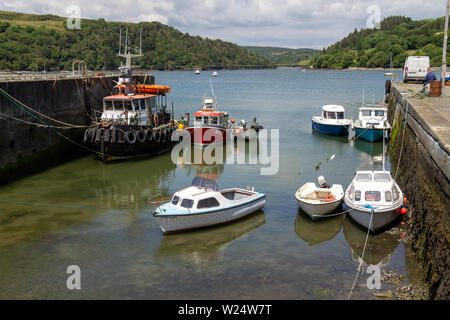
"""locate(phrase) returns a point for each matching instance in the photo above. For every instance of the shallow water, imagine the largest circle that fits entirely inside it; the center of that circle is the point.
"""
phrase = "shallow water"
(96, 216)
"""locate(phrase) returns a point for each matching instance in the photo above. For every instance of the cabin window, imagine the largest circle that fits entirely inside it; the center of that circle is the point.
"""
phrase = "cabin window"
(340, 115)
(331, 115)
(118, 106)
(395, 193)
(373, 196)
(357, 195)
(198, 119)
(379, 113)
(205, 120)
(207, 203)
(364, 177)
(382, 177)
(148, 104)
(214, 120)
(142, 103)
(366, 113)
(137, 105)
(324, 114)
(175, 200)
(187, 203)
(388, 196)
(108, 105)
(128, 106)
(350, 192)
(221, 119)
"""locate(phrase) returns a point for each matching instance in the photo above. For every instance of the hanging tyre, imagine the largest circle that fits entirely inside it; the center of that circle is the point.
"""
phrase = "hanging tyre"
(149, 135)
(141, 136)
(87, 135)
(157, 136)
(106, 135)
(130, 137)
(163, 136)
(98, 135)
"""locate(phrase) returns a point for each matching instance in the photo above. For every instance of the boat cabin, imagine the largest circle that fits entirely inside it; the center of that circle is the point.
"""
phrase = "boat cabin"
(207, 118)
(373, 187)
(372, 115)
(132, 109)
(333, 112)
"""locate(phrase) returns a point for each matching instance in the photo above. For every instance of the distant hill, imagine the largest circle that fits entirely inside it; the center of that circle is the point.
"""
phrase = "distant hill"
(287, 56)
(399, 36)
(32, 42)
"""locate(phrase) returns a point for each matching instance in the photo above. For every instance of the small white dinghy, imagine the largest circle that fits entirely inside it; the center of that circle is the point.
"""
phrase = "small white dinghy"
(203, 205)
(319, 201)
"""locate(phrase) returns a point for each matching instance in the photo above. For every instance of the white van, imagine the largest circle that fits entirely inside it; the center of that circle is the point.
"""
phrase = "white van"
(416, 68)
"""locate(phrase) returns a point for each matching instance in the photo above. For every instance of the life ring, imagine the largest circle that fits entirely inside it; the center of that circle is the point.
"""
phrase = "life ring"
(157, 136)
(141, 136)
(155, 120)
(87, 135)
(149, 135)
(130, 137)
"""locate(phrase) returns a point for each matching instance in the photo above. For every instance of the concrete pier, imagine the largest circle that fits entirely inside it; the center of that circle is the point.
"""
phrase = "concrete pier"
(421, 165)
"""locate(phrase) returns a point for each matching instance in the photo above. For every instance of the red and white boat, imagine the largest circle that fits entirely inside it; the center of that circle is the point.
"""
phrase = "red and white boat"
(210, 125)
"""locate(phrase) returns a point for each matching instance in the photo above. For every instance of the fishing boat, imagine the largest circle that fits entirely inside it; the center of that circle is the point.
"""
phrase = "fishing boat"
(319, 201)
(373, 199)
(210, 125)
(134, 122)
(247, 131)
(372, 123)
(203, 205)
(332, 121)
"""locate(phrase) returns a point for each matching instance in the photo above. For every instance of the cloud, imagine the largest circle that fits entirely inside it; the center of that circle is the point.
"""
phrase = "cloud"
(290, 23)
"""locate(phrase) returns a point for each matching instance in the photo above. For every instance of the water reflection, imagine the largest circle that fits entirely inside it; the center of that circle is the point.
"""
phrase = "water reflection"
(379, 246)
(370, 148)
(315, 232)
(204, 246)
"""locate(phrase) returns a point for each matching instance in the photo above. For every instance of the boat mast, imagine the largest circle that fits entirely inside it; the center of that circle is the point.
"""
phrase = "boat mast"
(383, 149)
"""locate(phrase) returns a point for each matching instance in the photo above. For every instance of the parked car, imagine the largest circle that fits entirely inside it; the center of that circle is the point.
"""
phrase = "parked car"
(415, 68)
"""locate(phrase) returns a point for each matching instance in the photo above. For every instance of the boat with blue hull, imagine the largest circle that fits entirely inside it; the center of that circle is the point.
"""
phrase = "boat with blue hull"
(371, 123)
(332, 121)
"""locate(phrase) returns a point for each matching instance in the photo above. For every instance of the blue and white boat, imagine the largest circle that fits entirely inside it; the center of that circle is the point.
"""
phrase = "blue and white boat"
(203, 205)
(371, 123)
(332, 121)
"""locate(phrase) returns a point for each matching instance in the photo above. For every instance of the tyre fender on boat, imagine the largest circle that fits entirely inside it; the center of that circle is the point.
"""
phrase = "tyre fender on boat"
(98, 135)
(130, 137)
(169, 134)
(141, 136)
(149, 135)
(157, 136)
(106, 135)
(87, 135)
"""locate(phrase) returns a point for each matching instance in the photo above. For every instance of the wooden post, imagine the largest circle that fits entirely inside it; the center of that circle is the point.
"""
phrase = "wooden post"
(444, 49)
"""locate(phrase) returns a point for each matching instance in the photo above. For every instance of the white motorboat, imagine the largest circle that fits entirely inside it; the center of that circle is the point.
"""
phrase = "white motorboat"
(214, 74)
(332, 121)
(373, 199)
(203, 205)
(197, 71)
(319, 201)
(372, 122)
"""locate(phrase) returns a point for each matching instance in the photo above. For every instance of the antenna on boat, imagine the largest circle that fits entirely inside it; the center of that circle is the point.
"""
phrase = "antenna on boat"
(363, 98)
(120, 39)
(383, 149)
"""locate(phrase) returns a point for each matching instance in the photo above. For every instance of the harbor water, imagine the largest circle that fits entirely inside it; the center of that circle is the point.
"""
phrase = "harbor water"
(98, 216)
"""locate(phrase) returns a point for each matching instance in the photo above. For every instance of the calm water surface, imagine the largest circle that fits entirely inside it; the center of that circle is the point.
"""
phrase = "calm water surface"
(97, 216)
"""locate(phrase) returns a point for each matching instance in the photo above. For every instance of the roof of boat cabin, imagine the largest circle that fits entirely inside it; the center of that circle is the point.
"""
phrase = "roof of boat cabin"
(129, 97)
(374, 107)
(333, 108)
(209, 113)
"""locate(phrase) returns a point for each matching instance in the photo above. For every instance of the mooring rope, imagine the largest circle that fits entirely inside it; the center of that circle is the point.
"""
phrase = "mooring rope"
(20, 105)
(401, 145)
(362, 256)
(31, 123)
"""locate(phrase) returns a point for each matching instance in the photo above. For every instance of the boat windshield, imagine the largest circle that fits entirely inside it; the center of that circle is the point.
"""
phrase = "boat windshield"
(187, 203)
(340, 115)
(331, 115)
(205, 183)
(379, 113)
(372, 196)
(175, 200)
(364, 177)
(382, 177)
(108, 105)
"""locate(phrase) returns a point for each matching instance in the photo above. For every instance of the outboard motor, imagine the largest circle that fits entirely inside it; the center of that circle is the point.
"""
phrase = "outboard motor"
(322, 182)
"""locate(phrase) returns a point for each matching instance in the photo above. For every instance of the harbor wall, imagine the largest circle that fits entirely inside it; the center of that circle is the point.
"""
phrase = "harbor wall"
(421, 154)
(26, 149)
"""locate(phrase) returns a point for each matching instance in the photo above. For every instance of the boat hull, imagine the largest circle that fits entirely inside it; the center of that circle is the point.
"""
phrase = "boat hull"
(370, 135)
(202, 136)
(314, 210)
(380, 219)
(185, 222)
(330, 129)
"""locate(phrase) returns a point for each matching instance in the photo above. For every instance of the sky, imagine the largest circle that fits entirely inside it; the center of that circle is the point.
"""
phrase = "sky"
(280, 23)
